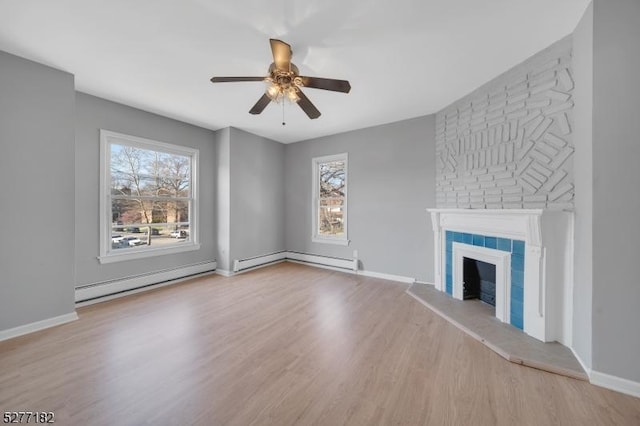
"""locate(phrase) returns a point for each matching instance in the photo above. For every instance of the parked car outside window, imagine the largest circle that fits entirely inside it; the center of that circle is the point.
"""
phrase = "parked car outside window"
(179, 234)
(132, 241)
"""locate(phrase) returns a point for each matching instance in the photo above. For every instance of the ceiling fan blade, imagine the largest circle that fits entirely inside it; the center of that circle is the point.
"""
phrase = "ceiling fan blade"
(326, 84)
(260, 105)
(235, 79)
(306, 105)
(281, 54)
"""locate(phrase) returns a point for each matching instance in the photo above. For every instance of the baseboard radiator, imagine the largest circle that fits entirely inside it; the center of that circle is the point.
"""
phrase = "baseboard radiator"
(326, 261)
(258, 261)
(312, 259)
(89, 292)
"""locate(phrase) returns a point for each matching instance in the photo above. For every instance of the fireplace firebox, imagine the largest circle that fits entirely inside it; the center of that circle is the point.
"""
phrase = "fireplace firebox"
(479, 280)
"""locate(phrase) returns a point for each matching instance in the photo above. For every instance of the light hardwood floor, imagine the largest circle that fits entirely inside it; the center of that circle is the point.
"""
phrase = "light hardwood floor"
(287, 344)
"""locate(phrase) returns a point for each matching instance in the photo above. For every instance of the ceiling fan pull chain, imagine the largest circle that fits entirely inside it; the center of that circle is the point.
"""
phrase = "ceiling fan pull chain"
(283, 123)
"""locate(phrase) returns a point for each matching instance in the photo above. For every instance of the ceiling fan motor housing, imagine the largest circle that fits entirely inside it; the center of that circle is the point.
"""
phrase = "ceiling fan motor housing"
(285, 78)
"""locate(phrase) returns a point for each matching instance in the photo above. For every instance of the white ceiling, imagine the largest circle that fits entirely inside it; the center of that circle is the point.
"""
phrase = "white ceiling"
(404, 58)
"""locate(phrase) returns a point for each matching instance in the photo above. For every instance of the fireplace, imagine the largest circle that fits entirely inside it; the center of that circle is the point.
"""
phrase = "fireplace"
(529, 253)
(479, 280)
(463, 250)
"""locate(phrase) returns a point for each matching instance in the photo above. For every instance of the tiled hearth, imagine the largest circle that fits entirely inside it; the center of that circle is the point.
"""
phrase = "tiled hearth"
(477, 320)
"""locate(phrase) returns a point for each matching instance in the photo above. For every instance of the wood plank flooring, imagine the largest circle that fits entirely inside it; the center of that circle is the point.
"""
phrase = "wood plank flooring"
(284, 345)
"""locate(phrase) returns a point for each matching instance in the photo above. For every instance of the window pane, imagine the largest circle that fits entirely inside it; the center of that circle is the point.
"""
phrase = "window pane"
(148, 199)
(136, 171)
(330, 221)
(332, 179)
(135, 211)
(132, 211)
(171, 212)
(331, 202)
(123, 237)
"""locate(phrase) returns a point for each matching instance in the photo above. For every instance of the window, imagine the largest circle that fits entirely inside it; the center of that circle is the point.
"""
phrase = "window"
(330, 199)
(148, 198)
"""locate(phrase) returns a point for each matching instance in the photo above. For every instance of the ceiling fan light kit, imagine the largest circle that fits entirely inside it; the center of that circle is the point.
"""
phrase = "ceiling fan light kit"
(285, 82)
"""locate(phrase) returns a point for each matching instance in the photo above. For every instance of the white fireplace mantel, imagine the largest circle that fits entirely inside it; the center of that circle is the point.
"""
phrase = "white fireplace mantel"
(548, 266)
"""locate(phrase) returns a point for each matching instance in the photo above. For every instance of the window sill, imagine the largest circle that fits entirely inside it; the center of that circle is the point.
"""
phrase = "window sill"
(121, 257)
(330, 241)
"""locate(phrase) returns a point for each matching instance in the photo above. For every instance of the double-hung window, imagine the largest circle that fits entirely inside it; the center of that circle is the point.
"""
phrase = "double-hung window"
(330, 199)
(148, 198)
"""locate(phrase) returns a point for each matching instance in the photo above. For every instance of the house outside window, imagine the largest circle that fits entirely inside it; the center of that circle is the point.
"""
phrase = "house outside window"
(330, 199)
(148, 197)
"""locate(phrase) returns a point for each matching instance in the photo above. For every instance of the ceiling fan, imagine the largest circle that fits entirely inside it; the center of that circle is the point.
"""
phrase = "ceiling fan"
(285, 81)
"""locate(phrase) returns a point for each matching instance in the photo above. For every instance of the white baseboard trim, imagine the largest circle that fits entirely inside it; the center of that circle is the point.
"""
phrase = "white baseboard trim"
(37, 326)
(608, 381)
(224, 273)
(582, 363)
(90, 292)
(425, 283)
(615, 383)
(390, 277)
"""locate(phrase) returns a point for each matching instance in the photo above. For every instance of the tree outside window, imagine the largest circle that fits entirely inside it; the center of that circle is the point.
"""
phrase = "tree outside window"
(330, 199)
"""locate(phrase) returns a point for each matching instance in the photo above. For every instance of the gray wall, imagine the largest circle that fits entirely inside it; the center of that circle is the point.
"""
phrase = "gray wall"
(509, 143)
(391, 178)
(223, 198)
(37, 171)
(93, 114)
(616, 177)
(251, 196)
(583, 175)
(257, 195)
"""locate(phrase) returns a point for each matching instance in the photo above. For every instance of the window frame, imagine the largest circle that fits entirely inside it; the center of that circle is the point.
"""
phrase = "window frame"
(109, 255)
(315, 200)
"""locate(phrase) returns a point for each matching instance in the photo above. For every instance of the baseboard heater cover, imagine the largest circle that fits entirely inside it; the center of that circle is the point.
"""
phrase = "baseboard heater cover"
(109, 288)
(328, 261)
(334, 262)
(254, 262)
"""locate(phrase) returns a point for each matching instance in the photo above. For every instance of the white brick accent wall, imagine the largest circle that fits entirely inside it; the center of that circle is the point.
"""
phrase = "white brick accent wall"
(509, 144)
